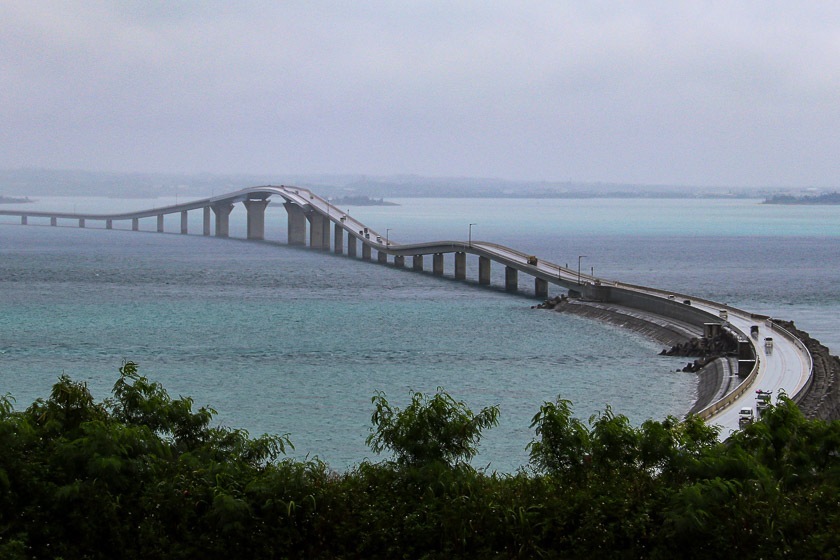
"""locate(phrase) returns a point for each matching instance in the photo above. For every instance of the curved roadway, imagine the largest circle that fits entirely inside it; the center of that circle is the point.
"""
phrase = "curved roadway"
(787, 367)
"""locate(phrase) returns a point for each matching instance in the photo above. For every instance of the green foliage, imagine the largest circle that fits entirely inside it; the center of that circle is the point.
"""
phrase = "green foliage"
(564, 441)
(430, 429)
(142, 475)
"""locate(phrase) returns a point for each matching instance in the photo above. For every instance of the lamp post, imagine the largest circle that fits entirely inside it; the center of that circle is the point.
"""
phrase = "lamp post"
(469, 243)
(580, 257)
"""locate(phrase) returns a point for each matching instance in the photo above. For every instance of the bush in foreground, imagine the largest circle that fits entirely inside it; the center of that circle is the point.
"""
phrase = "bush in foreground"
(144, 475)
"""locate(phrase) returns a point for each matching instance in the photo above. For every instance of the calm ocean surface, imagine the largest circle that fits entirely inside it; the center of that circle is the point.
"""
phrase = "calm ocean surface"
(284, 340)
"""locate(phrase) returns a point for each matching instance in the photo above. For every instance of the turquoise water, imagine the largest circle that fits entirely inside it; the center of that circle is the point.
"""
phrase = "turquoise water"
(287, 340)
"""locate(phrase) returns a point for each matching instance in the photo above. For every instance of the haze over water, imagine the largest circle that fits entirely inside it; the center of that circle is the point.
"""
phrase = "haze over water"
(287, 340)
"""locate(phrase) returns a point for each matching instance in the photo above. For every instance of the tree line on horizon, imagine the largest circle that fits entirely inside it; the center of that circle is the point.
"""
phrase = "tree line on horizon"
(141, 474)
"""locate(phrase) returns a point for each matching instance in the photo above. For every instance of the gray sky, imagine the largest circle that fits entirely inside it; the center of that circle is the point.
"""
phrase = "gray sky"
(701, 93)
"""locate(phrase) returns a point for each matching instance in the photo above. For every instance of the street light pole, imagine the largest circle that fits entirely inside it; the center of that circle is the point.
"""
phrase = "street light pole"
(469, 243)
(579, 257)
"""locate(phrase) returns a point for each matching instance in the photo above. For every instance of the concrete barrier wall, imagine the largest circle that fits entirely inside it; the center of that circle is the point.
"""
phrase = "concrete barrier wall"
(673, 309)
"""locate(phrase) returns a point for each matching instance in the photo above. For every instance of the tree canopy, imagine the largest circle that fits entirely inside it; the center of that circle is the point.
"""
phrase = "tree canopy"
(142, 474)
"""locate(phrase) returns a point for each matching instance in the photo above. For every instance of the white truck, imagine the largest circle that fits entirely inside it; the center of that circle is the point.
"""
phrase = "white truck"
(745, 417)
(762, 401)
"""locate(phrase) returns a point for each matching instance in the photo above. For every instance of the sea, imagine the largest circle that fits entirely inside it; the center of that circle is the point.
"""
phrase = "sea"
(285, 340)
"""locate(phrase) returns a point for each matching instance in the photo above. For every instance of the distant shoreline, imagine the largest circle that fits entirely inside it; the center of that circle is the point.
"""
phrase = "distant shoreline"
(819, 200)
(360, 201)
(15, 200)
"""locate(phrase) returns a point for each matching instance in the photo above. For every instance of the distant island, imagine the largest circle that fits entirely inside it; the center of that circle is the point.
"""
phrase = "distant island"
(14, 200)
(360, 200)
(828, 198)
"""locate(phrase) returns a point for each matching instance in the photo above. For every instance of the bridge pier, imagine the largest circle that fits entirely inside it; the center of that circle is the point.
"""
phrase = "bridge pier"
(206, 220)
(540, 288)
(338, 240)
(316, 230)
(184, 223)
(511, 279)
(23, 220)
(417, 265)
(325, 233)
(437, 264)
(460, 266)
(135, 224)
(109, 224)
(399, 261)
(382, 257)
(160, 223)
(53, 221)
(351, 245)
(81, 222)
(484, 270)
(222, 211)
(365, 251)
(256, 217)
(297, 224)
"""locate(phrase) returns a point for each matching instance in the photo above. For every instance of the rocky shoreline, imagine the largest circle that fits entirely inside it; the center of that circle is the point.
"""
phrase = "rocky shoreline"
(822, 401)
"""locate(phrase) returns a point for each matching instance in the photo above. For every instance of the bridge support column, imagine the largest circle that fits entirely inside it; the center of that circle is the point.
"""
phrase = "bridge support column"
(81, 222)
(511, 279)
(135, 224)
(23, 220)
(417, 265)
(316, 230)
(256, 218)
(365, 251)
(399, 261)
(206, 220)
(437, 264)
(484, 270)
(109, 224)
(325, 234)
(184, 223)
(351, 245)
(222, 212)
(53, 221)
(382, 257)
(460, 266)
(338, 240)
(540, 288)
(160, 223)
(297, 224)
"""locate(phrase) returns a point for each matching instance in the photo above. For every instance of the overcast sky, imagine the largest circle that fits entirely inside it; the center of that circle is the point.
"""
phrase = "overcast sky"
(695, 93)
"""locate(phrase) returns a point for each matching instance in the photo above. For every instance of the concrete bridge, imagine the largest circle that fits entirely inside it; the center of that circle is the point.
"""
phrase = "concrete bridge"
(788, 366)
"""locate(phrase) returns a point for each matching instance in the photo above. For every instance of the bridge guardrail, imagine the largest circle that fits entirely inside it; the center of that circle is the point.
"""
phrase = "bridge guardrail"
(723, 403)
(800, 394)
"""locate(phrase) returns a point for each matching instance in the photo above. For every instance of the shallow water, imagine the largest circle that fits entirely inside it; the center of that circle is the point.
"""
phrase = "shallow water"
(282, 340)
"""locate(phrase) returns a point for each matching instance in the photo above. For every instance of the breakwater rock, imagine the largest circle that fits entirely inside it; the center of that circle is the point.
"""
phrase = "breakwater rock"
(704, 349)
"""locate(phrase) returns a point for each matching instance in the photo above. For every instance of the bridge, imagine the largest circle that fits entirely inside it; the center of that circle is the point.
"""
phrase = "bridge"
(786, 366)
